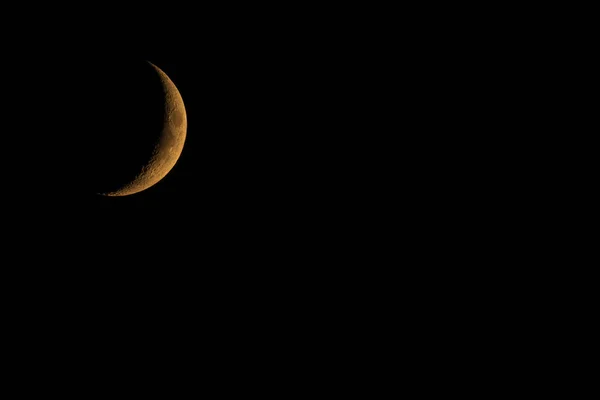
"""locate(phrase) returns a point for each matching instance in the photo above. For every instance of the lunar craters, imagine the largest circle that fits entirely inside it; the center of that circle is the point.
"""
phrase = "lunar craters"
(170, 144)
(176, 118)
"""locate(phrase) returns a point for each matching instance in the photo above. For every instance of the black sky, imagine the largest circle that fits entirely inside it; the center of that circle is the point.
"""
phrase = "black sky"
(279, 156)
(256, 169)
(340, 170)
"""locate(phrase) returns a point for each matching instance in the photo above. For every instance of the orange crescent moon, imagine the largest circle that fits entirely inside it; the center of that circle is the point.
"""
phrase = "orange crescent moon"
(169, 146)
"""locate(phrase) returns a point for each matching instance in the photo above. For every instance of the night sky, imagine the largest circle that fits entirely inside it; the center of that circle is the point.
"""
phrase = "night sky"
(242, 161)
(248, 215)
(270, 174)
(255, 175)
(336, 168)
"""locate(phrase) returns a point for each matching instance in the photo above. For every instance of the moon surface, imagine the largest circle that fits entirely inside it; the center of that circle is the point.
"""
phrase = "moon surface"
(166, 147)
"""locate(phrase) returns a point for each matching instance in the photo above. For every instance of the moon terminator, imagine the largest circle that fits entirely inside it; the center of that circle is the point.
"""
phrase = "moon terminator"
(169, 145)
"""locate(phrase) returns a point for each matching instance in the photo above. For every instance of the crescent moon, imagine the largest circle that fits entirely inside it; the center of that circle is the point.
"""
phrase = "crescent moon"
(169, 145)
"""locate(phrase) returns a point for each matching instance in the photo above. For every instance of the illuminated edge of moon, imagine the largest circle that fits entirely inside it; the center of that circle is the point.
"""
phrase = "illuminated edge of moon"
(169, 147)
